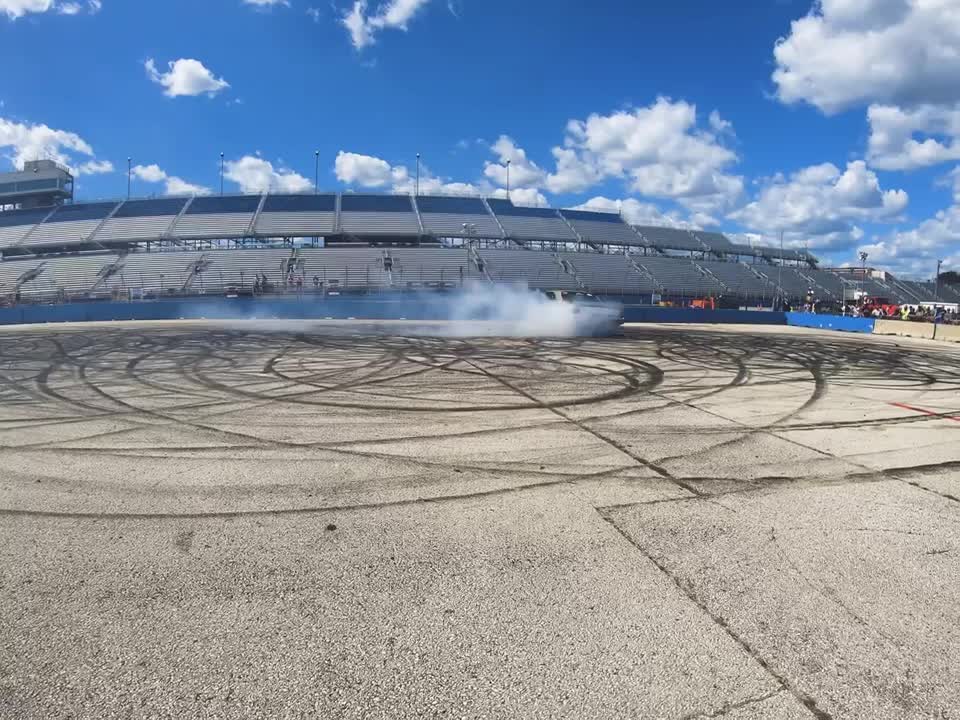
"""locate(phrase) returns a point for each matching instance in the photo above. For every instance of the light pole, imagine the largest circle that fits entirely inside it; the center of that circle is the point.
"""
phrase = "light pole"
(129, 171)
(863, 273)
(416, 187)
(780, 273)
(936, 286)
(221, 173)
(508, 179)
(316, 171)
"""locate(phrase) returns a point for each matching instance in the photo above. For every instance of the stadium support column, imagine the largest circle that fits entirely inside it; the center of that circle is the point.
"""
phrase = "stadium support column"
(129, 171)
(221, 173)
(416, 187)
(316, 172)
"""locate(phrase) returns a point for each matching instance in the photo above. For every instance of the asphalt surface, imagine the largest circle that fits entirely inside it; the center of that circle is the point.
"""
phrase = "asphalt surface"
(324, 520)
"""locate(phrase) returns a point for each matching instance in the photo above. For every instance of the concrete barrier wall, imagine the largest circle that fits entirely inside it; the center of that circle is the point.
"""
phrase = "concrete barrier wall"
(904, 328)
(831, 322)
(947, 333)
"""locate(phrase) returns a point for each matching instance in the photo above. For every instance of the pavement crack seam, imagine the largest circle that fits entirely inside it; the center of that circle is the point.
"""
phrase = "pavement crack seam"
(662, 472)
(807, 701)
(946, 496)
(732, 706)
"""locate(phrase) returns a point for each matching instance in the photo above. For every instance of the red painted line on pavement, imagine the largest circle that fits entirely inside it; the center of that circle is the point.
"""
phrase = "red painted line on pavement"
(924, 411)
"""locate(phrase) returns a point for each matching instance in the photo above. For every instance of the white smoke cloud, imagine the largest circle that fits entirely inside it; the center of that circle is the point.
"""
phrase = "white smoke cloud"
(513, 311)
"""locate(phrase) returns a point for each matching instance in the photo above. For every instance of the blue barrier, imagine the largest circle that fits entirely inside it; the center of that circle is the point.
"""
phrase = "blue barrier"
(634, 314)
(309, 308)
(831, 322)
(378, 307)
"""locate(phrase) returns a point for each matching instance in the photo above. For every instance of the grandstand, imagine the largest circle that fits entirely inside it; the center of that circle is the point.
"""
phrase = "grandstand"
(365, 242)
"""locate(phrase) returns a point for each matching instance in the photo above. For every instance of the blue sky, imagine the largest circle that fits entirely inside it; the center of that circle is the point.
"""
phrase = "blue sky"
(824, 121)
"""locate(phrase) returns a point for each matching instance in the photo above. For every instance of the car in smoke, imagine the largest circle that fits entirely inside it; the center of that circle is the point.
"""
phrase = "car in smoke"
(595, 317)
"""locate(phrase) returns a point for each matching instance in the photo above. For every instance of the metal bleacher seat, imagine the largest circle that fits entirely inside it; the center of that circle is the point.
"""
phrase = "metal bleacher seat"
(950, 293)
(378, 215)
(345, 267)
(140, 220)
(73, 274)
(827, 280)
(609, 274)
(530, 223)
(669, 238)
(70, 224)
(15, 224)
(679, 276)
(159, 271)
(431, 265)
(536, 269)
(297, 216)
(601, 228)
(736, 277)
(446, 217)
(716, 241)
(217, 217)
(793, 283)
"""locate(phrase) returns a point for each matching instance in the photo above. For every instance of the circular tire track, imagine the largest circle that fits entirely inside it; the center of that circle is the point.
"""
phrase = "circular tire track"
(192, 378)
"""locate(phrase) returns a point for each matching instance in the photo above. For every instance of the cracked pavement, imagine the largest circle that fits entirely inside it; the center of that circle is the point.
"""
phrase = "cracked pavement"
(210, 521)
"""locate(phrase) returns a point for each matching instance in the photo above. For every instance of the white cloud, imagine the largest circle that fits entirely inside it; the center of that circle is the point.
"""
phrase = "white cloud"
(254, 174)
(185, 77)
(899, 58)
(529, 197)
(41, 142)
(93, 167)
(174, 185)
(266, 4)
(822, 203)
(391, 14)
(916, 251)
(846, 53)
(14, 9)
(366, 171)
(363, 170)
(910, 138)
(634, 211)
(18, 8)
(658, 150)
(524, 173)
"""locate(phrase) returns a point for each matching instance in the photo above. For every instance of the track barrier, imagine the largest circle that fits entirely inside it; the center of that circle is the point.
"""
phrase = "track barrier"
(415, 307)
(831, 322)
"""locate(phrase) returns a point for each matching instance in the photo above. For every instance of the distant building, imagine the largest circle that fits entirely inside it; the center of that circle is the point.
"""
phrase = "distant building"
(41, 183)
